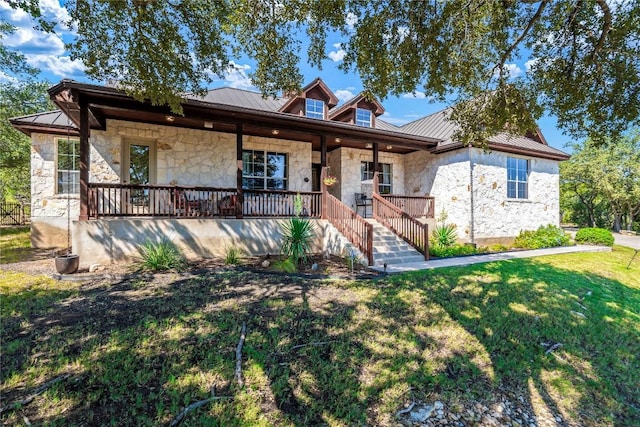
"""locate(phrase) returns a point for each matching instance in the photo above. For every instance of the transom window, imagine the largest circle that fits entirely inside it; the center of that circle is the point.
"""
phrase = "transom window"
(314, 108)
(384, 176)
(363, 117)
(68, 166)
(517, 178)
(262, 170)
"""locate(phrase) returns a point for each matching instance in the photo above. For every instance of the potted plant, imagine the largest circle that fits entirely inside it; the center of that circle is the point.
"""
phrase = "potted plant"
(68, 263)
(330, 180)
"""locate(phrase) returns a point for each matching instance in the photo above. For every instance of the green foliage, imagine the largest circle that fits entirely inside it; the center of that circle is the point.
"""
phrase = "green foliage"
(287, 265)
(594, 236)
(444, 235)
(232, 255)
(160, 50)
(18, 99)
(440, 251)
(161, 256)
(297, 237)
(544, 237)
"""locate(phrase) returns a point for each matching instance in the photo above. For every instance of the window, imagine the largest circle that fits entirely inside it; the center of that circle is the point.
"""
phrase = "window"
(363, 117)
(68, 166)
(264, 170)
(384, 176)
(517, 177)
(314, 108)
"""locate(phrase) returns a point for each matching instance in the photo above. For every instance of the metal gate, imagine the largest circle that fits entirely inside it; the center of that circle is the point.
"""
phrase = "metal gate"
(13, 213)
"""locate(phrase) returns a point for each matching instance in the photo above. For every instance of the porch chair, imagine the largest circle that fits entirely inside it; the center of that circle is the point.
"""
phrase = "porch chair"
(363, 201)
(227, 205)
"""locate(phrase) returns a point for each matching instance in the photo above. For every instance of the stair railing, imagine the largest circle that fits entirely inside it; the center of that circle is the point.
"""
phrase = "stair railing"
(395, 219)
(351, 225)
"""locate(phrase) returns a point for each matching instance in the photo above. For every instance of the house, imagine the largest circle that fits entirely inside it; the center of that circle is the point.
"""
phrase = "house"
(232, 165)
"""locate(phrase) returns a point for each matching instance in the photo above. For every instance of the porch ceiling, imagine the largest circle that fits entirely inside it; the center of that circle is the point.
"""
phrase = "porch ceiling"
(109, 103)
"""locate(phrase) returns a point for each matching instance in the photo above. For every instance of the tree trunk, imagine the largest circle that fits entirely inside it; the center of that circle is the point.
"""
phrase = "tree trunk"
(616, 222)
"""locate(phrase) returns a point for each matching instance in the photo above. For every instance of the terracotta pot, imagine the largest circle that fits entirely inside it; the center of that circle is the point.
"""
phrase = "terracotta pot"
(67, 264)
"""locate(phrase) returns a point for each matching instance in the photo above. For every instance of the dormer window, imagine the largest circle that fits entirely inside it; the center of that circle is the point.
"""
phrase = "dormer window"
(363, 117)
(314, 108)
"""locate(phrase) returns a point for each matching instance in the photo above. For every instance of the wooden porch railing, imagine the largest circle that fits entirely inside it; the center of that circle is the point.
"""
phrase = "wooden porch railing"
(125, 200)
(355, 228)
(415, 206)
(408, 228)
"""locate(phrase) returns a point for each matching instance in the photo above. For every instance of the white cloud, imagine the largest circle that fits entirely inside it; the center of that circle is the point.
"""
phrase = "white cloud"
(417, 94)
(236, 77)
(6, 78)
(530, 64)
(338, 55)
(387, 117)
(344, 94)
(61, 66)
(30, 40)
(513, 70)
(52, 9)
(351, 20)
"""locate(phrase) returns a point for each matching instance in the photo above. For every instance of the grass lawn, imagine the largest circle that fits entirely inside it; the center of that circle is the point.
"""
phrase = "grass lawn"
(327, 352)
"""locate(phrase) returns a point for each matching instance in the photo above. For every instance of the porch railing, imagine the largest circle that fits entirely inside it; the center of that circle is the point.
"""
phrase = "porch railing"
(125, 200)
(408, 228)
(415, 206)
(355, 228)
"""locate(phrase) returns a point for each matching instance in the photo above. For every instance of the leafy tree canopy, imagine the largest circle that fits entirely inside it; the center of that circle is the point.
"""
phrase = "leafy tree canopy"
(584, 67)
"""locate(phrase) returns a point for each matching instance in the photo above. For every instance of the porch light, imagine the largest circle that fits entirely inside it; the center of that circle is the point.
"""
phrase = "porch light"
(368, 145)
(389, 147)
(169, 118)
(338, 140)
(275, 132)
(208, 125)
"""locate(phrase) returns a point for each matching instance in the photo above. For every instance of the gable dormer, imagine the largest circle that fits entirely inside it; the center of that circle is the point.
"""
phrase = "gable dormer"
(314, 101)
(358, 111)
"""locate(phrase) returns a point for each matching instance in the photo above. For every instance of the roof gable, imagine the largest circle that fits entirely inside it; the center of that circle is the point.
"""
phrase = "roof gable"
(317, 89)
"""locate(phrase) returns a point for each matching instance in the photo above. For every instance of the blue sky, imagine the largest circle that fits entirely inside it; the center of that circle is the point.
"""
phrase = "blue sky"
(47, 52)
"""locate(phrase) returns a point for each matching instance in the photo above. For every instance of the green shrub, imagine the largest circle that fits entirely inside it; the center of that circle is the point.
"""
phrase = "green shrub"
(161, 256)
(451, 251)
(594, 236)
(297, 236)
(544, 237)
(286, 266)
(444, 235)
(232, 255)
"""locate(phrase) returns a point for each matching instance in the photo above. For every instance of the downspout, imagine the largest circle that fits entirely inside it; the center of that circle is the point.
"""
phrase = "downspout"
(472, 231)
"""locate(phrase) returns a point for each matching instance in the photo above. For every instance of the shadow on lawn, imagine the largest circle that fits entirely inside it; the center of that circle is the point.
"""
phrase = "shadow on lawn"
(319, 353)
(514, 307)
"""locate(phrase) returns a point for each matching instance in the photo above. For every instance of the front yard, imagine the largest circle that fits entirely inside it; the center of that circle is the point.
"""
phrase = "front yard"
(555, 340)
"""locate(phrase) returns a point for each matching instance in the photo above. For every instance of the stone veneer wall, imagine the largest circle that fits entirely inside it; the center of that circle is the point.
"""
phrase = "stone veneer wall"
(498, 218)
(446, 177)
(184, 157)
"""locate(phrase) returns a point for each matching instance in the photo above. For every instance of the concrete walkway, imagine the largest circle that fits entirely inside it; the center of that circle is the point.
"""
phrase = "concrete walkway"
(479, 259)
(632, 242)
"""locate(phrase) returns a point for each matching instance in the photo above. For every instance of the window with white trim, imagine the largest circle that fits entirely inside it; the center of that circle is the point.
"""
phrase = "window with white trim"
(262, 170)
(363, 117)
(517, 178)
(68, 166)
(384, 176)
(314, 108)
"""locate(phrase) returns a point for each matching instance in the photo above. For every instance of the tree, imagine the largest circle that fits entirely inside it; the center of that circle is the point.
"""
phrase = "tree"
(584, 68)
(20, 98)
(602, 183)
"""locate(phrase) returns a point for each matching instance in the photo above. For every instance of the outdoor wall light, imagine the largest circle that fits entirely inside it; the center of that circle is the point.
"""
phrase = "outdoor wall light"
(338, 140)
(389, 147)
(368, 145)
(169, 118)
(275, 132)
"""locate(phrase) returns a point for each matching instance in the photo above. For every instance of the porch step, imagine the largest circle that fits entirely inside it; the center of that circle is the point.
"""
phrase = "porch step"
(390, 248)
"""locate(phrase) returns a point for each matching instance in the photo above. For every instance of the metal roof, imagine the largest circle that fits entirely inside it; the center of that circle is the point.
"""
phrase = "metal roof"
(380, 124)
(241, 98)
(49, 118)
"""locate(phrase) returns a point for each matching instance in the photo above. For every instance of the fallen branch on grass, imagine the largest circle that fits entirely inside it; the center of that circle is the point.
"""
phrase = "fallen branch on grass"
(553, 348)
(37, 392)
(193, 406)
(406, 410)
(315, 344)
(243, 332)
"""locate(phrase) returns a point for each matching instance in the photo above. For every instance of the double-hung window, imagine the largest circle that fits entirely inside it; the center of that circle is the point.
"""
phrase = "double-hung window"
(68, 166)
(363, 117)
(517, 178)
(384, 176)
(314, 108)
(263, 170)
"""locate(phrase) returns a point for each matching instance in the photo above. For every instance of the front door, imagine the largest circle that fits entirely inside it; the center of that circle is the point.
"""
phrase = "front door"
(138, 168)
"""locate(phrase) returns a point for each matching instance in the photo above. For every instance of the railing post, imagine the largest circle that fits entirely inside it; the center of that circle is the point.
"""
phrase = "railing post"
(370, 243)
(426, 241)
(323, 189)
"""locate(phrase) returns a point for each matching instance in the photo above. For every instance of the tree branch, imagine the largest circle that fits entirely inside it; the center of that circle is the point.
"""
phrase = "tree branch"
(243, 332)
(33, 395)
(606, 27)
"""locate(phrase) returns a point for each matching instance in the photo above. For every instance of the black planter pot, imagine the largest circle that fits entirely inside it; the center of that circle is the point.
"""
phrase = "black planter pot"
(67, 264)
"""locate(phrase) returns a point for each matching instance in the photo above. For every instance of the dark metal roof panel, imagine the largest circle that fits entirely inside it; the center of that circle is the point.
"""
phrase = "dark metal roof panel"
(241, 98)
(49, 118)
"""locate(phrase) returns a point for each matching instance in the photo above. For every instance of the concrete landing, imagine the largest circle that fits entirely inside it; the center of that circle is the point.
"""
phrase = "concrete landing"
(479, 259)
